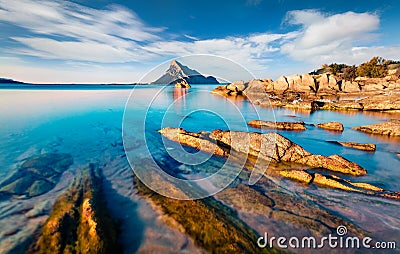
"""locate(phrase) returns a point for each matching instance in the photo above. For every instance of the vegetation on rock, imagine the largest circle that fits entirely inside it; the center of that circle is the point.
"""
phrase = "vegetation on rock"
(212, 225)
(79, 221)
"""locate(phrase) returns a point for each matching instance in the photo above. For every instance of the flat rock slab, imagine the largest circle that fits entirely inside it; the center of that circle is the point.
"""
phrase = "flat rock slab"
(359, 146)
(292, 126)
(390, 128)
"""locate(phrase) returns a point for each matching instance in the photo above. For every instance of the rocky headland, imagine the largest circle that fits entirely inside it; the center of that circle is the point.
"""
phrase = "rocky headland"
(326, 89)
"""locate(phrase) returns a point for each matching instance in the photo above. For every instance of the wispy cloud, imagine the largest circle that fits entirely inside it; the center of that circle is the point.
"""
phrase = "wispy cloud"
(191, 37)
(81, 33)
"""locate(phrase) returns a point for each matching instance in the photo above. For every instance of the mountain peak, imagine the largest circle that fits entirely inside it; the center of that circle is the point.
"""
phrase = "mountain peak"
(178, 72)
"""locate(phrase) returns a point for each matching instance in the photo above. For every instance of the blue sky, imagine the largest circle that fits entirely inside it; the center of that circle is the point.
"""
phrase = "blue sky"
(106, 41)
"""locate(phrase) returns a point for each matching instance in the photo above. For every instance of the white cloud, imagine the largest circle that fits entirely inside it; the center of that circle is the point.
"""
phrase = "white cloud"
(252, 51)
(193, 38)
(76, 50)
(330, 38)
(81, 33)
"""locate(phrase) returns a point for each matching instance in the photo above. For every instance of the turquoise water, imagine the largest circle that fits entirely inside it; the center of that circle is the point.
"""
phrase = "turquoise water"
(87, 123)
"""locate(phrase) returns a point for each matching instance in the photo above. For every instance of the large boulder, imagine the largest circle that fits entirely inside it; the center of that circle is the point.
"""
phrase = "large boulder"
(333, 83)
(308, 83)
(259, 146)
(281, 85)
(323, 83)
(258, 87)
(294, 82)
(237, 86)
(332, 126)
(350, 87)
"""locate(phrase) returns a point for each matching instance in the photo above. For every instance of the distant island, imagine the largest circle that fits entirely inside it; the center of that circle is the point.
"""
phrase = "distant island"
(178, 73)
(10, 81)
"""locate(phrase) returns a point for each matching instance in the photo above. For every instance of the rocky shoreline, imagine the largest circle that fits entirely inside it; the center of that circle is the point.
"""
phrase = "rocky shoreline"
(319, 92)
(252, 144)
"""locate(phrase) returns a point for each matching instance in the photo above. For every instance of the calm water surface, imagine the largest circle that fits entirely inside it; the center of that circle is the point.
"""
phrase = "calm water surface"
(87, 123)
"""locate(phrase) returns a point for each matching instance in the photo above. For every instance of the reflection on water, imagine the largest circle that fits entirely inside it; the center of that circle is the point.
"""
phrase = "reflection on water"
(180, 92)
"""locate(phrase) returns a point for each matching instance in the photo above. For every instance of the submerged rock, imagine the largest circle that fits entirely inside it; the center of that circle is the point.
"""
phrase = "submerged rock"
(390, 128)
(294, 126)
(258, 145)
(37, 175)
(211, 224)
(332, 126)
(79, 221)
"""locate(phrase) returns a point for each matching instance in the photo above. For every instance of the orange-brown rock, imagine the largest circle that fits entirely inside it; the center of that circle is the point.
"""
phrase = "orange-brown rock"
(390, 128)
(332, 126)
(335, 182)
(323, 83)
(298, 175)
(259, 146)
(359, 146)
(295, 126)
(308, 83)
(281, 85)
(182, 84)
(331, 182)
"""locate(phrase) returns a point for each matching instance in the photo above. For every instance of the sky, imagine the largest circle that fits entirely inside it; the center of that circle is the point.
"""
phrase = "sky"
(103, 41)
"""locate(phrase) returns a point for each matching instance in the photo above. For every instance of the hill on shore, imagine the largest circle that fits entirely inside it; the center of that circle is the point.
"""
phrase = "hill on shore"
(178, 72)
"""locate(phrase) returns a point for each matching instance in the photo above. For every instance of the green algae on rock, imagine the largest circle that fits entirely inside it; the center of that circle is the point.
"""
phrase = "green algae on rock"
(79, 221)
(212, 225)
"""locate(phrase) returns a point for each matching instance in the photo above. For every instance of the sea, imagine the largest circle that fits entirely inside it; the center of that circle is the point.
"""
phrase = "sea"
(89, 122)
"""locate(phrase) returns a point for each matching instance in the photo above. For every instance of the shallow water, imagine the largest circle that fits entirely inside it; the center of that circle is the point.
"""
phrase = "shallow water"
(87, 123)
